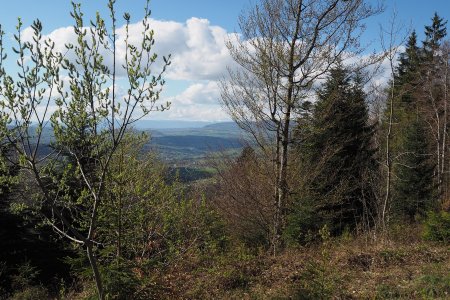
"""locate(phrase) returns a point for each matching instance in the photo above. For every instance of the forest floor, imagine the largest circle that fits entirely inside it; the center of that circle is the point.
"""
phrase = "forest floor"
(398, 266)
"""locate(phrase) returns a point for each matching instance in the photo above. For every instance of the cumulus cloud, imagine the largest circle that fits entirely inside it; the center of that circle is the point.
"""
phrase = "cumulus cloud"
(199, 56)
(198, 93)
(210, 113)
(198, 48)
(205, 55)
(199, 102)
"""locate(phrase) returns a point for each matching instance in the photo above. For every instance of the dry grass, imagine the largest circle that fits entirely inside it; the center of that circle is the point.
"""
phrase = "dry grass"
(397, 266)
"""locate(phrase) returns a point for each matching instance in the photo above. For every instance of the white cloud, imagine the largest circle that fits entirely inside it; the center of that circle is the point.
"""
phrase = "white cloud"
(210, 113)
(199, 56)
(198, 49)
(198, 102)
(198, 94)
(205, 55)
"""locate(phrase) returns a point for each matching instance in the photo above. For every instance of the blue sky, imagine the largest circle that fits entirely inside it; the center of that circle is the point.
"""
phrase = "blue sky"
(194, 31)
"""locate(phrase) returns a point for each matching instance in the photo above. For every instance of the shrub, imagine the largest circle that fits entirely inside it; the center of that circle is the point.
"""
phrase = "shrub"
(437, 227)
(31, 293)
(243, 196)
(303, 222)
(315, 283)
(25, 283)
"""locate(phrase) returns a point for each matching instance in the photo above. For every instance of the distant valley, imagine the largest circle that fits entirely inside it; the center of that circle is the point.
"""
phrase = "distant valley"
(183, 145)
(188, 146)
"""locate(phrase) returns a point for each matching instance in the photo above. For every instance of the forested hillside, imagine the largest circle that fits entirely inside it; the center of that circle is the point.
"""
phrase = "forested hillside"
(328, 184)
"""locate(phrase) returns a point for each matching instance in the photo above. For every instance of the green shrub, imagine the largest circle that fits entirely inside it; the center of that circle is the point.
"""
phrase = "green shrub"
(24, 283)
(437, 227)
(120, 282)
(316, 282)
(303, 223)
(31, 293)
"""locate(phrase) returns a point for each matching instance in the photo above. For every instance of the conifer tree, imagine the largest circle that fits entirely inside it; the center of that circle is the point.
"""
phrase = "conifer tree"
(420, 121)
(407, 75)
(434, 34)
(414, 174)
(433, 97)
(338, 152)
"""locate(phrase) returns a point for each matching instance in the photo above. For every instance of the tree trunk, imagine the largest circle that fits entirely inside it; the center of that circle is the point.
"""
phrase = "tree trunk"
(281, 184)
(444, 137)
(276, 198)
(97, 276)
(388, 153)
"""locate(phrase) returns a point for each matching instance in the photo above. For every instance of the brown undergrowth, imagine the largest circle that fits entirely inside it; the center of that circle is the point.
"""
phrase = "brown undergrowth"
(398, 265)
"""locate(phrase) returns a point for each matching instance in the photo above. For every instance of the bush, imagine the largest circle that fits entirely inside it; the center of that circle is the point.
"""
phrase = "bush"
(25, 283)
(437, 227)
(316, 282)
(31, 293)
(303, 223)
(243, 197)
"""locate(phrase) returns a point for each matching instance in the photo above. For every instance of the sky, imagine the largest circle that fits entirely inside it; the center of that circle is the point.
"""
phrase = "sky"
(194, 32)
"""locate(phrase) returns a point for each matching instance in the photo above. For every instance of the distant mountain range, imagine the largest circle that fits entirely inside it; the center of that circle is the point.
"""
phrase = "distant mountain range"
(169, 124)
(191, 144)
(181, 142)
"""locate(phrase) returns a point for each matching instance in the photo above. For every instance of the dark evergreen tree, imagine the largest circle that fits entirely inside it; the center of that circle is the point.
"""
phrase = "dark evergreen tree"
(418, 103)
(21, 244)
(434, 100)
(414, 174)
(406, 101)
(434, 35)
(409, 60)
(407, 77)
(337, 153)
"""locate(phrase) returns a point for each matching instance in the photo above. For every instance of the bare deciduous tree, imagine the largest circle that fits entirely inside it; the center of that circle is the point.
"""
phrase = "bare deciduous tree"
(286, 45)
(391, 39)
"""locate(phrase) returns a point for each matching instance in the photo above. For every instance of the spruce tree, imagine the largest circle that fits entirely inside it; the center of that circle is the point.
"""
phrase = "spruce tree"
(414, 174)
(434, 34)
(418, 104)
(408, 75)
(338, 153)
(433, 100)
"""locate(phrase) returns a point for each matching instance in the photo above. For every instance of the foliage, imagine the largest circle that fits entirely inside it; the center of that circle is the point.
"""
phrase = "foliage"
(147, 223)
(303, 222)
(301, 41)
(418, 144)
(24, 282)
(434, 35)
(7, 177)
(437, 226)
(335, 150)
(90, 120)
(414, 169)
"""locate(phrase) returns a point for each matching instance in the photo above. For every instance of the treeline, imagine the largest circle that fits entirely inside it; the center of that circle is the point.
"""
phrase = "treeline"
(356, 166)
